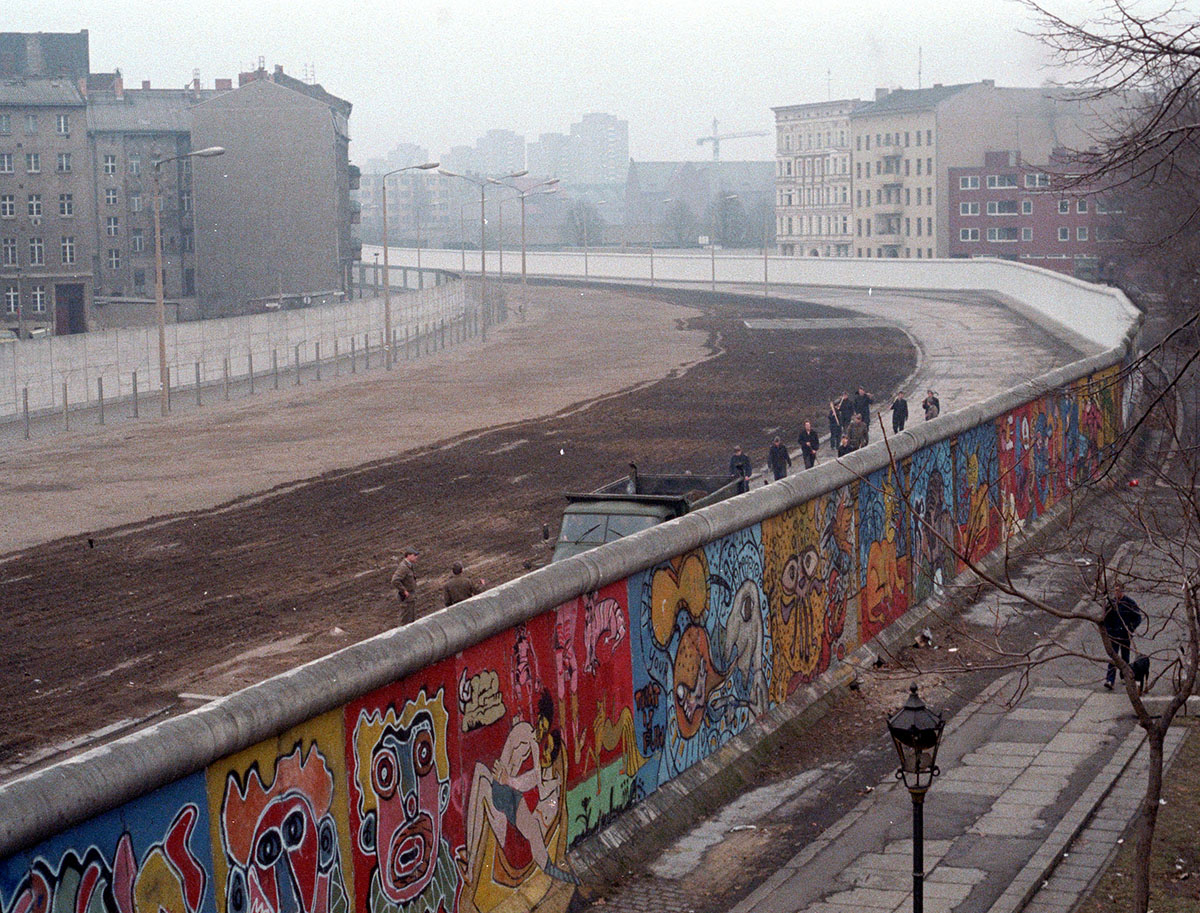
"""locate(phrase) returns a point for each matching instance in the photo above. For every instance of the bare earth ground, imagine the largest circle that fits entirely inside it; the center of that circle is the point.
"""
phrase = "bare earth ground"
(203, 600)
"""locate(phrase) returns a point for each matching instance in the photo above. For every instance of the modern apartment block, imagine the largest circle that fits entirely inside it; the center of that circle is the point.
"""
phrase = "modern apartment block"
(47, 242)
(601, 150)
(1015, 211)
(812, 179)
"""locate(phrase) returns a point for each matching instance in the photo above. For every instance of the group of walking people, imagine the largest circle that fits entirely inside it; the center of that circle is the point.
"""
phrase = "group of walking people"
(849, 420)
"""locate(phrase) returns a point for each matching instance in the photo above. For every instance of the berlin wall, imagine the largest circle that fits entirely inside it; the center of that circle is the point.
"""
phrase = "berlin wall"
(452, 764)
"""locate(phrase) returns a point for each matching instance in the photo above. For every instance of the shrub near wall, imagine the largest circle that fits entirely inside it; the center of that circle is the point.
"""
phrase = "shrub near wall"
(462, 787)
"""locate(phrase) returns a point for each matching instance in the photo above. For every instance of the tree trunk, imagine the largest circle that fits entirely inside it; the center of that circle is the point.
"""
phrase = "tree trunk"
(1147, 817)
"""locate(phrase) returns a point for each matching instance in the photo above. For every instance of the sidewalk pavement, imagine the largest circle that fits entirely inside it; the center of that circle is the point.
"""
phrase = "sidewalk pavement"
(1026, 812)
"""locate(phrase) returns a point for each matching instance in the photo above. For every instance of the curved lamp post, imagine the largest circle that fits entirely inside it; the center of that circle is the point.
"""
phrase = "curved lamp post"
(712, 242)
(539, 189)
(916, 732)
(160, 303)
(387, 276)
(482, 184)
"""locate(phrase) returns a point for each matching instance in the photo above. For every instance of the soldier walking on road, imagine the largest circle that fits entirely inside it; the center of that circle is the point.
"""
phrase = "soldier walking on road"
(459, 586)
(778, 459)
(405, 582)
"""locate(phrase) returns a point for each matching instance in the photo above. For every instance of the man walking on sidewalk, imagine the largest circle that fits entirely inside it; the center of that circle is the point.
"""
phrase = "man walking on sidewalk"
(778, 459)
(1121, 618)
(810, 443)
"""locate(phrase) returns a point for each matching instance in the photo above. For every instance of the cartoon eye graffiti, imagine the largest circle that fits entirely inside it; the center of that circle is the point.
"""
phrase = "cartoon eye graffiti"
(236, 891)
(326, 845)
(269, 848)
(791, 573)
(423, 753)
(367, 834)
(293, 829)
(383, 774)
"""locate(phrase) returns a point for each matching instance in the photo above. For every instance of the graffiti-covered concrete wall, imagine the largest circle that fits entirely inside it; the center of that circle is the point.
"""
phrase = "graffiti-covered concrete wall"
(451, 766)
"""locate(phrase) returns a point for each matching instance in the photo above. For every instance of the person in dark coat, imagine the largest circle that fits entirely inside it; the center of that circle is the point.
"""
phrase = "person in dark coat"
(459, 586)
(845, 410)
(1122, 617)
(862, 405)
(778, 459)
(405, 582)
(899, 412)
(739, 466)
(835, 427)
(932, 405)
(810, 443)
(857, 433)
(844, 446)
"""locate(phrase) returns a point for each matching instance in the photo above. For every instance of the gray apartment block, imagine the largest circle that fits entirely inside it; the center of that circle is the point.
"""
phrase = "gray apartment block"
(272, 215)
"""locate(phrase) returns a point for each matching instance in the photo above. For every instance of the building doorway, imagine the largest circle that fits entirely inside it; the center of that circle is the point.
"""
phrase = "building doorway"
(70, 315)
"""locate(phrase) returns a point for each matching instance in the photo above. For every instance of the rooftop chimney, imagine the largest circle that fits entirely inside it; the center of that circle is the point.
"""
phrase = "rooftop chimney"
(224, 85)
(881, 94)
(146, 85)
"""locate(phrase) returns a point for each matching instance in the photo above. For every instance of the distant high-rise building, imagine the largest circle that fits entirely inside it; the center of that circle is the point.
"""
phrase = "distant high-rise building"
(500, 152)
(463, 160)
(405, 155)
(553, 156)
(602, 151)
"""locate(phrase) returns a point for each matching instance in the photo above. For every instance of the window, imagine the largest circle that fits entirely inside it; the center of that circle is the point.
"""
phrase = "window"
(33, 162)
(37, 252)
(8, 251)
(135, 164)
(918, 166)
(112, 226)
(136, 241)
(968, 182)
(35, 205)
(114, 258)
(1026, 207)
(1002, 234)
(135, 202)
(64, 162)
(1064, 233)
(1002, 207)
(110, 164)
(1037, 180)
(38, 294)
(110, 196)
(6, 163)
(1081, 233)
(67, 249)
(31, 123)
(1081, 206)
(1026, 234)
(928, 137)
(918, 228)
(63, 124)
(5, 124)
(139, 277)
(189, 243)
(929, 228)
(8, 206)
(907, 195)
(11, 301)
(1001, 180)
(968, 209)
(66, 204)
(907, 166)
(1064, 207)
(918, 137)
(929, 166)
(905, 137)
(968, 234)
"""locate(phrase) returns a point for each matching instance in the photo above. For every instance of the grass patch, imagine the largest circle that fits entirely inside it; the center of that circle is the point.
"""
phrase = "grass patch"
(1175, 868)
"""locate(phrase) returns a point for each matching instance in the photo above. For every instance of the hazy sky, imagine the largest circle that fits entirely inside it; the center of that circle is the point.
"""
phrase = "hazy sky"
(442, 73)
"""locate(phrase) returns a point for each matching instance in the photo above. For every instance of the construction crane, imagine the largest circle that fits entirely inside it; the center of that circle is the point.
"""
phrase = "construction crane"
(717, 136)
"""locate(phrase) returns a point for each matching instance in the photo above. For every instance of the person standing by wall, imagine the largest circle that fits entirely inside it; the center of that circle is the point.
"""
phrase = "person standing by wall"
(810, 443)
(835, 427)
(862, 405)
(932, 405)
(405, 582)
(899, 412)
(857, 434)
(739, 467)
(778, 459)
(459, 586)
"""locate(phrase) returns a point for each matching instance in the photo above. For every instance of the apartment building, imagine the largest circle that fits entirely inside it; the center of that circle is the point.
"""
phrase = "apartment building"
(1012, 210)
(812, 179)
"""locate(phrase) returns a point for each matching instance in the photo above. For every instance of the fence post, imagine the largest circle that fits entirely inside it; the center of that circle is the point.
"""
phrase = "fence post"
(337, 365)
(169, 385)
(225, 377)
(100, 397)
(275, 366)
(442, 329)
(318, 350)
(25, 409)
(135, 395)
(297, 364)
(66, 414)
(250, 370)
(199, 400)
(407, 354)
(353, 356)
(366, 351)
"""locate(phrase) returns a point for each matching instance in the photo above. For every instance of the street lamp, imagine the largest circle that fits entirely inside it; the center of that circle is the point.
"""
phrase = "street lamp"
(420, 277)
(712, 241)
(482, 185)
(160, 304)
(660, 203)
(916, 732)
(545, 187)
(584, 219)
(387, 275)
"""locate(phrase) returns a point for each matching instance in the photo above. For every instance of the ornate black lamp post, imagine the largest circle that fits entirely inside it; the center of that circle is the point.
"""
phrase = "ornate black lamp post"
(916, 731)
